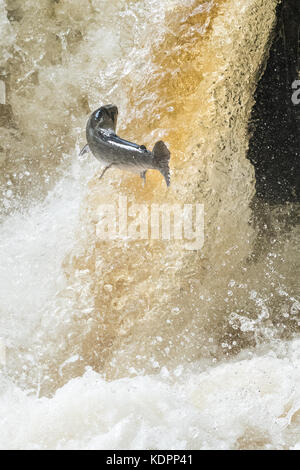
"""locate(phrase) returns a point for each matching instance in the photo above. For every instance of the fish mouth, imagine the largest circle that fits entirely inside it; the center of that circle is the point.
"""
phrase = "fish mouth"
(111, 110)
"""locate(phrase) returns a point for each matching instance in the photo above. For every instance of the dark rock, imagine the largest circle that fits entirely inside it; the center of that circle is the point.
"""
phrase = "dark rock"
(275, 125)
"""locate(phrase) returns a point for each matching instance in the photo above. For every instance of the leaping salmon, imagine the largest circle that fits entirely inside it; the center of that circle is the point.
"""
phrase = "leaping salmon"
(112, 151)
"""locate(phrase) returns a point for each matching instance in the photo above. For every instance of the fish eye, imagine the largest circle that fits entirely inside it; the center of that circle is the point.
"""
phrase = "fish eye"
(98, 114)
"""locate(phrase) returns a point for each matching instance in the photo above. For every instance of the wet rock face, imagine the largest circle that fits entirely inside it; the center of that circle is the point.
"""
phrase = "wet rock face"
(275, 144)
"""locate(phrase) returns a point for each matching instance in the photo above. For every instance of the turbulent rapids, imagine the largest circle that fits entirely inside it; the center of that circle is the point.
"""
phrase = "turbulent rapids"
(108, 343)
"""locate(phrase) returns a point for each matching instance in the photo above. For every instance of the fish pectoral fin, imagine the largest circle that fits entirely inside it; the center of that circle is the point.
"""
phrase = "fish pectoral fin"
(143, 176)
(84, 150)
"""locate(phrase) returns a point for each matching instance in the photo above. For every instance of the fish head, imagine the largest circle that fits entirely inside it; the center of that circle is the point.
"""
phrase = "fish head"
(105, 117)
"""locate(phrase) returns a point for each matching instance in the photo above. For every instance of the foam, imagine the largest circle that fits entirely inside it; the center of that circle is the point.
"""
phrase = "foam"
(69, 303)
(246, 403)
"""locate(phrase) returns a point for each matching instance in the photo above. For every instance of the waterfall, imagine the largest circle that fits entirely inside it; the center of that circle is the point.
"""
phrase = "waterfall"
(120, 338)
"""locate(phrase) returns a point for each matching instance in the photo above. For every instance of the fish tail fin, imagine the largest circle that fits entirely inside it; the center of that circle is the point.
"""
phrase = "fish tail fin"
(161, 160)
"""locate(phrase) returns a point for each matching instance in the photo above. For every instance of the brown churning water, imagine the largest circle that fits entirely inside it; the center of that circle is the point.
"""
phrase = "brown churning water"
(108, 343)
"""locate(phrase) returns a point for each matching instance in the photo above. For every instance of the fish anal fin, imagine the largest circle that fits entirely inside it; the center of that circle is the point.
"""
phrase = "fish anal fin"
(143, 176)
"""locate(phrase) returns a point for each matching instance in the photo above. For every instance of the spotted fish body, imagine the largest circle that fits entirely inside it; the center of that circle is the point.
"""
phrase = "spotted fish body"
(112, 151)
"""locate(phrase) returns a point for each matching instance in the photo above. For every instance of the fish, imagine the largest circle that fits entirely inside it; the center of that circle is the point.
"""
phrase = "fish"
(114, 152)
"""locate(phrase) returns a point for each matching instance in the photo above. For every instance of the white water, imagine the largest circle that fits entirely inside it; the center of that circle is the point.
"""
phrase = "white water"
(172, 387)
(33, 245)
(248, 403)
